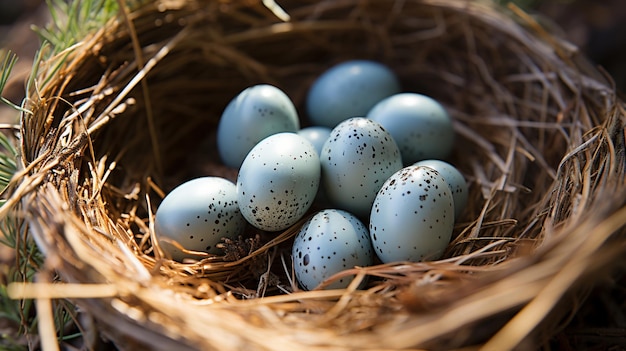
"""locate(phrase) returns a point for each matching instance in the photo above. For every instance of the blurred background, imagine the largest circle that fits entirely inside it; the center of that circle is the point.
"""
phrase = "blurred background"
(598, 28)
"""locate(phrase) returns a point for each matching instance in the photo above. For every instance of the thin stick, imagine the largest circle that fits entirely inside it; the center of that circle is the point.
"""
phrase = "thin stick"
(42, 290)
(47, 330)
(154, 139)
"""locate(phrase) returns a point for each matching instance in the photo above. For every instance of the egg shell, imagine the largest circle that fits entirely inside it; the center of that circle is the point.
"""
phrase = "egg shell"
(330, 242)
(455, 180)
(419, 124)
(317, 135)
(278, 181)
(197, 214)
(349, 89)
(412, 217)
(356, 160)
(254, 114)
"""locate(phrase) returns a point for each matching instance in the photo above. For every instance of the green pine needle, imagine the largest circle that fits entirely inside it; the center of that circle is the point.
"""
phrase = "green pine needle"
(72, 21)
(8, 162)
(5, 69)
(6, 66)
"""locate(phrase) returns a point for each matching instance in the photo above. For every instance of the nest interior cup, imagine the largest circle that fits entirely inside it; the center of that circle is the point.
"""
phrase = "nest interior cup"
(132, 112)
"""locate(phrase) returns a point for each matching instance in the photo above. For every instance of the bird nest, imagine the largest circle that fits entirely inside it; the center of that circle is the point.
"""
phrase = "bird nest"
(131, 112)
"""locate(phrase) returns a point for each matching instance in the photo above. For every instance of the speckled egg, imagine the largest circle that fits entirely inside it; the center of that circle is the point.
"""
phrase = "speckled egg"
(257, 112)
(455, 180)
(419, 124)
(197, 214)
(356, 160)
(278, 181)
(317, 135)
(413, 216)
(349, 89)
(328, 243)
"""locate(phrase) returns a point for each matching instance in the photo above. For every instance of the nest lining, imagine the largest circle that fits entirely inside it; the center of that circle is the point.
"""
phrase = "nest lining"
(539, 137)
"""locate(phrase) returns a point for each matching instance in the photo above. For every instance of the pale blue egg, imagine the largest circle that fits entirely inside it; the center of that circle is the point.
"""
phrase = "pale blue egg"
(412, 217)
(356, 160)
(197, 214)
(419, 124)
(317, 135)
(254, 114)
(278, 181)
(349, 89)
(455, 180)
(330, 242)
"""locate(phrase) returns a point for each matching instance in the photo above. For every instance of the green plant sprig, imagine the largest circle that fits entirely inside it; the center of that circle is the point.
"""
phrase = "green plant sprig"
(74, 20)
(8, 60)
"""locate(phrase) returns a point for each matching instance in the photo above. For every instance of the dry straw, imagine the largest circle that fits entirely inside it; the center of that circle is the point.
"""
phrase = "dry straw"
(132, 112)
